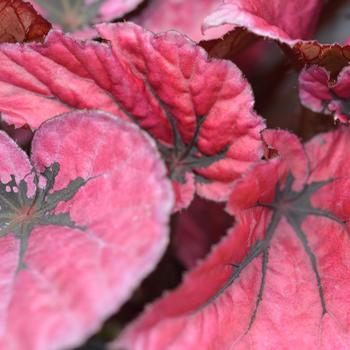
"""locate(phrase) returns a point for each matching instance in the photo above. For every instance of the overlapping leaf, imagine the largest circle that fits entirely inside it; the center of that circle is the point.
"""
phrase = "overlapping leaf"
(280, 279)
(291, 23)
(198, 110)
(79, 230)
(19, 22)
(285, 21)
(320, 93)
(78, 16)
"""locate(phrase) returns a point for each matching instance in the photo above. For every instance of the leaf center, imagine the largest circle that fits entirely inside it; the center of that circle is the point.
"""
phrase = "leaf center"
(20, 214)
(295, 207)
(184, 157)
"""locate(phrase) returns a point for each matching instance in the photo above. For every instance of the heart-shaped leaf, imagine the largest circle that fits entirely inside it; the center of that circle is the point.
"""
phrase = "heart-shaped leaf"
(198, 110)
(79, 229)
(280, 278)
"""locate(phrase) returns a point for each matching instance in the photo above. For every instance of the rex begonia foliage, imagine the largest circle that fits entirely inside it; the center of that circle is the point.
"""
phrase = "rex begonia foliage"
(280, 278)
(19, 22)
(321, 94)
(78, 16)
(289, 22)
(200, 111)
(78, 230)
(163, 15)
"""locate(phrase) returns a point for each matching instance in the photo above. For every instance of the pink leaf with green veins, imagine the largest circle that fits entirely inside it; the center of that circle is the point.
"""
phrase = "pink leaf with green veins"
(79, 229)
(199, 111)
(280, 278)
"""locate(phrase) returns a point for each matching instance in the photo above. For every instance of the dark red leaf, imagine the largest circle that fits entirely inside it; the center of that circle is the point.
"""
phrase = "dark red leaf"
(19, 22)
(333, 57)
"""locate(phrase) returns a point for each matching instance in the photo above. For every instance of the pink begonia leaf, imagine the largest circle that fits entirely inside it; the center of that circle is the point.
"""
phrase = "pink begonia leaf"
(279, 20)
(163, 15)
(83, 222)
(290, 22)
(79, 16)
(198, 228)
(200, 111)
(319, 93)
(280, 278)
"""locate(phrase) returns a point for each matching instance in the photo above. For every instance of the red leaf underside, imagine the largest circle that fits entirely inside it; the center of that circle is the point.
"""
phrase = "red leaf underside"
(20, 23)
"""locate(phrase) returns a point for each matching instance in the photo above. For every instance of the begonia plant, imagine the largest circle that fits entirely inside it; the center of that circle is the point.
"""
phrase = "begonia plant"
(78, 229)
(279, 279)
(200, 111)
(150, 196)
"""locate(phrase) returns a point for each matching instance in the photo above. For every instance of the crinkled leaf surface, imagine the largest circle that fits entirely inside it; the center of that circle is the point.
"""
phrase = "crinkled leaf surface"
(19, 22)
(82, 223)
(199, 110)
(319, 93)
(280, 279)
(79, 15)
(163, 15)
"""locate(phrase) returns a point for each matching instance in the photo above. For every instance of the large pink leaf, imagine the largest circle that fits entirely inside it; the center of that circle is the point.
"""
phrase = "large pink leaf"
(199, 110)
(73, 251)
(280, 278)
(163, 15)
(319, 93)
(79, 16)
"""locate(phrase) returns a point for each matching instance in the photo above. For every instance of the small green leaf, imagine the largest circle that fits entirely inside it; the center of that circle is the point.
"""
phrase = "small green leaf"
(71, 14)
